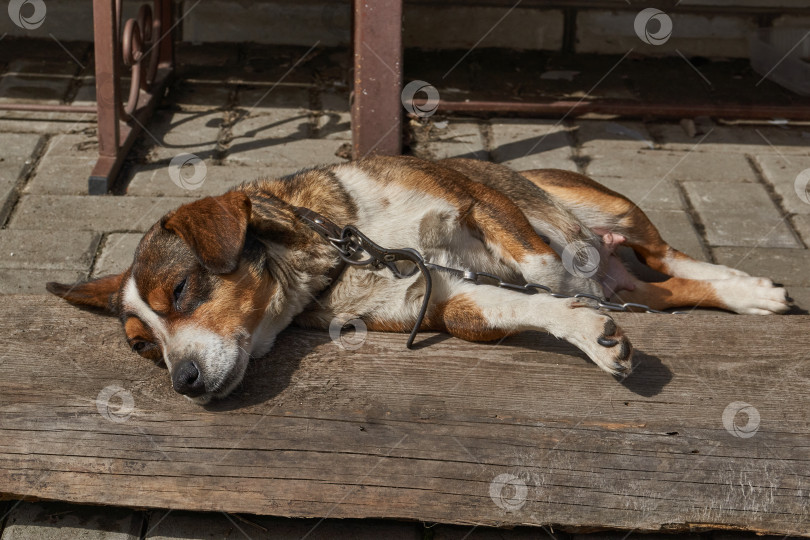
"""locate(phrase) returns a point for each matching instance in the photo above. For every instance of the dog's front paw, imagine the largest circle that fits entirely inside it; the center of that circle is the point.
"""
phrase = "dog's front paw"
(598, 336)
(752, 295)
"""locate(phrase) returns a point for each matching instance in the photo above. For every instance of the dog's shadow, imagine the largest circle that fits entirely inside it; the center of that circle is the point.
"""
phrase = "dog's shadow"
(266, 378)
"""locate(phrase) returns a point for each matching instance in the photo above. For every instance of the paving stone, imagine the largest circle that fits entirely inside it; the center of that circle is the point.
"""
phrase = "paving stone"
(731, 139)
(335, 120)
(598, 137)
(648, 194)
(660, 164)
(253, 130)
(18, 151)
(176, 524)
(104, 213)
(65, 166)
(116, 253)
(786, 266)
(86, 93)
(57, 521)
(742, 216)
(287, 97)
(45, 122)
(782, 172)
(155, 180)
(451, 138)
(22, 88)
(677, 230)
(57, 250)
(802, 226)
(174, 133)
(532, 144)
(33, 280)
(285, 154)
(199, 96)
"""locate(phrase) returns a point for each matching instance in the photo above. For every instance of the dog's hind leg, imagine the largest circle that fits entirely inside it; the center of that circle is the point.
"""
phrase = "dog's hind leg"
(481, 313)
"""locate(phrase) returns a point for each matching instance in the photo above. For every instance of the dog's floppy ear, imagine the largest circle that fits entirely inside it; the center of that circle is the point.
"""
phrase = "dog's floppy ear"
(97, 293)
(214, 228)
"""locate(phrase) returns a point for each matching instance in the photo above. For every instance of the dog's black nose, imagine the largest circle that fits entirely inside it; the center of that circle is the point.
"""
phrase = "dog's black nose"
(187, 379)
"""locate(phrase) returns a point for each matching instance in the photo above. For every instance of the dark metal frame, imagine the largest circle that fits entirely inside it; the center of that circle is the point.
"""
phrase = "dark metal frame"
(145, 46)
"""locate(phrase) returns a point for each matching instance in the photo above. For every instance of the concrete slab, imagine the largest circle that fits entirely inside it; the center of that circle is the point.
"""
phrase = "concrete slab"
(174, 133)
(33, 280)
(57, 521)
(743, 216)
(802, 225)
(726, 139)
(102, 213)
(16, 159)
(25, 88)
(289, 98)
(195, 97)
(117, 252)
(281, 124)
(786, 266)
(56, 250)
(156, 180)
(65, 165)
(596, 137)
(532, 144)
(334, 120)
(648, 194)
(783, 173)
(661, 164)
(45, 122)
(285, 154)
(676, 228)
(177, 525)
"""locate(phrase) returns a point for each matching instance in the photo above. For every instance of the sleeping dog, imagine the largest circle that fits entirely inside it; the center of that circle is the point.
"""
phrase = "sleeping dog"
(215, 281)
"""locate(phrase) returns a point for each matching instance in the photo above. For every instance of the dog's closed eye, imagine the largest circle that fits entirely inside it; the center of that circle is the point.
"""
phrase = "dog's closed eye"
(179, 291)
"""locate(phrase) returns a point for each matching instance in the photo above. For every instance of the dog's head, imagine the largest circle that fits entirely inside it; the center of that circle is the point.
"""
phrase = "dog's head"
(194, 296)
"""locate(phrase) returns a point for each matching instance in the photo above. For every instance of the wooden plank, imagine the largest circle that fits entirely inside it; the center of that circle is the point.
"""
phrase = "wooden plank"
(318, 431)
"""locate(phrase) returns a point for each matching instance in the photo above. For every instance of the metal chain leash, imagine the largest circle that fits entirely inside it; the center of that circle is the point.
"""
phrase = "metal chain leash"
(350, 244)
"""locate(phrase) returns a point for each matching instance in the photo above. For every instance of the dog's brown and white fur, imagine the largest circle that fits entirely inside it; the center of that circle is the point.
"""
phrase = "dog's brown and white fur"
(215, 281)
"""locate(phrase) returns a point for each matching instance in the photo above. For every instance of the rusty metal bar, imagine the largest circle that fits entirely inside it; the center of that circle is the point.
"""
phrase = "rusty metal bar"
(376, 106)
(557, 109)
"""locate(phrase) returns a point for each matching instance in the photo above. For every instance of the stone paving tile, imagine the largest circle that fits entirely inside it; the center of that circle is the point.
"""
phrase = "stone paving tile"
(174, 133)
(335, 121)
(116, 253)
(23, 88)
(249, 131)
(154, 180)
(105, 213)
(178, 525)
(283, 97)
(660, 164)
(802, 226)
(285, 154)
(782, 172)
(57, 521)
(532, 144)
(649, 194)
(743, 216)
(54, 250)
(45, 122)
(17, 155)
(786, 266)
(65, 166)
(600, 137)
(677, 230)
(32, 281)
(732, 139)
(199, 96)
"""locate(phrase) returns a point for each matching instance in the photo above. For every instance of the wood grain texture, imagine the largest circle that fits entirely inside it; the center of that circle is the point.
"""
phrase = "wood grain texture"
(318, 431)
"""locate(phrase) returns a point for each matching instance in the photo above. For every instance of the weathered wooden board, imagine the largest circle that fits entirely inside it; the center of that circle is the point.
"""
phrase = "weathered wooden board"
(524, 432)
